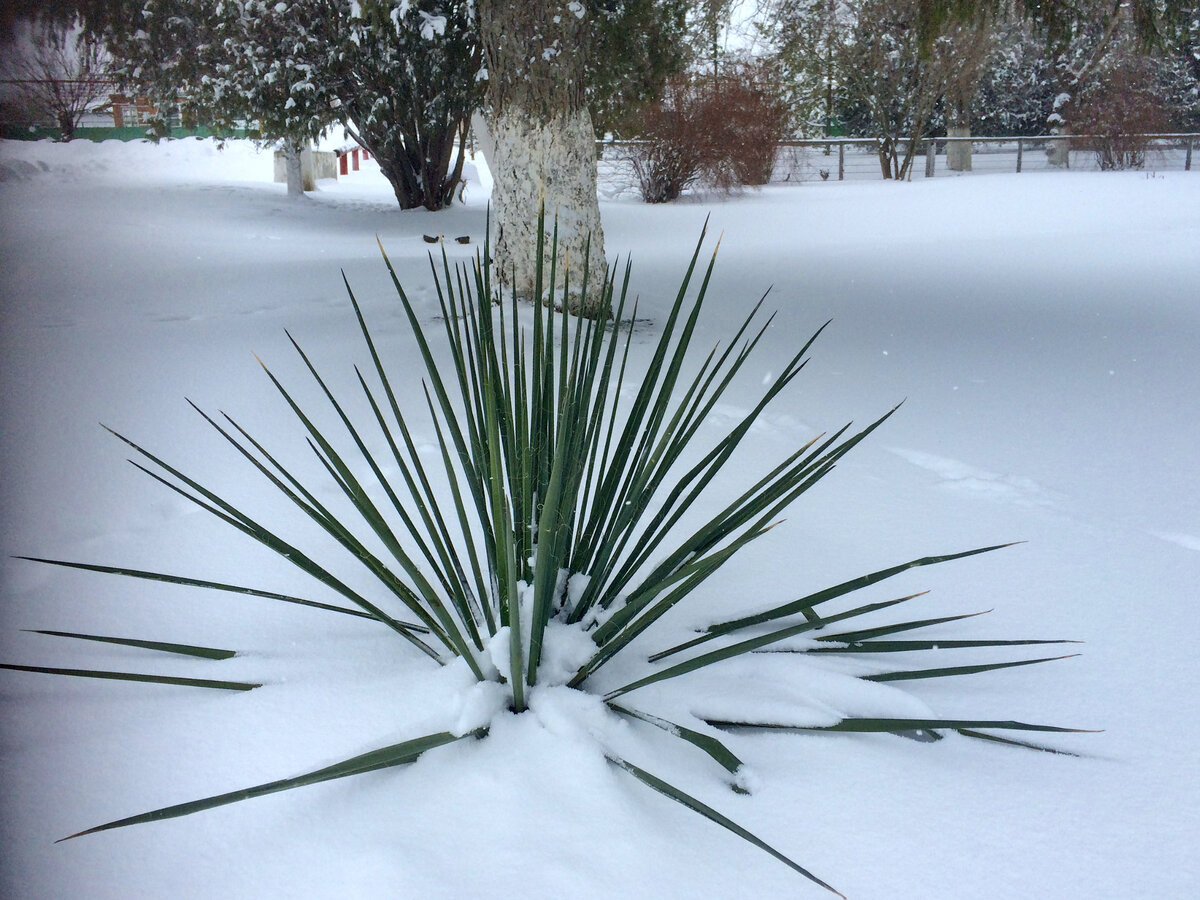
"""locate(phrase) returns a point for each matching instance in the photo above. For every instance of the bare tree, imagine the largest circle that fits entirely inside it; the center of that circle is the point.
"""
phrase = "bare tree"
(895, 82)
(59, 73)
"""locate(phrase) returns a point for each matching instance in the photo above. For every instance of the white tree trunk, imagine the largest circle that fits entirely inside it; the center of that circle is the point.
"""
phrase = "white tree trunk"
(544, 146)
(551, 162)
(958, 153)
(295, 171)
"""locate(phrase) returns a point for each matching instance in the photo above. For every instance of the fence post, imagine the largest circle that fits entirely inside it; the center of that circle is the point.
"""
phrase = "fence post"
(1020, 148)
(842, 160)
(1187, 162)
(930, 157)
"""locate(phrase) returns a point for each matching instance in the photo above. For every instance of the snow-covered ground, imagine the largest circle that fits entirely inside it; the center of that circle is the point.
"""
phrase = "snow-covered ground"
(1043, 328)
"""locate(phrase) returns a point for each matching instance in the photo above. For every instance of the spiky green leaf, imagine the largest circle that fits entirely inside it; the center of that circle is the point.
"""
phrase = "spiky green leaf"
(699, 806)
(180, 649)
(133, 676)
(385, 757)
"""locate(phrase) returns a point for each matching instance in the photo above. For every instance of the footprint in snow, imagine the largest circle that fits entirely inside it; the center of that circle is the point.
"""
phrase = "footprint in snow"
(964, 478)
(726, 416)
(1188, 541)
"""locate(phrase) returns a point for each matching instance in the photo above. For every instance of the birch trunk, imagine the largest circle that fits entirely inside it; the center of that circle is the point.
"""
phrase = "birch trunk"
(543, 145)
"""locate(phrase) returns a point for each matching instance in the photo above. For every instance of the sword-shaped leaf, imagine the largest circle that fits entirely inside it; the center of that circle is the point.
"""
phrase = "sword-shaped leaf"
(211, 585)
(746, 646)
(699, 806)
(181, 649)
(894, 726)
(908, 646)
(1025, 745)
(131, 676)
(723, 756)
(950, 671)
(394, 755)
(805, 604)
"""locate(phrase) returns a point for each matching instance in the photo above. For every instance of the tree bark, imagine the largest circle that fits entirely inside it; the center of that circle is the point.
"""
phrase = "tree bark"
(544, 145)
(958, 153)
(66, 125)
(295, 174)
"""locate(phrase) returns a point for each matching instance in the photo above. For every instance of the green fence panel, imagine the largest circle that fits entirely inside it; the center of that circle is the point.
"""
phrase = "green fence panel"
(129, 133)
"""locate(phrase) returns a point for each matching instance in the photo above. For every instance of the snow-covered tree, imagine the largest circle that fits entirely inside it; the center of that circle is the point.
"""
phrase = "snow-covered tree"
(408, 80)
(1187, 43)
(801, 33)
(875, 67)
(1121, 69)
(804, 39)
(1016, 85)
(1029, 68)
(1179, 76)
(256, 63)
(401, 75)
(269, 69)
(161, 50)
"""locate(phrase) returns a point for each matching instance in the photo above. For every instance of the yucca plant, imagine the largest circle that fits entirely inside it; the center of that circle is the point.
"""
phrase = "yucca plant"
(578, 516)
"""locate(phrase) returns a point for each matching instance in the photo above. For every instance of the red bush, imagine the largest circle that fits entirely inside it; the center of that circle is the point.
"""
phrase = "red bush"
(722, 132)
(1118, 113)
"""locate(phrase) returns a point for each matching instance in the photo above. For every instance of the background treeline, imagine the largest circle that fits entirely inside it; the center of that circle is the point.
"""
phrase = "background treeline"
(707, 86)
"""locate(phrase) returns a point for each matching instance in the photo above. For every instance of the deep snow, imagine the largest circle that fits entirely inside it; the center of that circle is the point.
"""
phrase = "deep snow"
(1043, 329)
